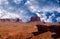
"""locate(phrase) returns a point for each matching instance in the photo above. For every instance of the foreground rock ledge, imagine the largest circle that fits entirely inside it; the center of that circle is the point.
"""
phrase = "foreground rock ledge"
(33, 30)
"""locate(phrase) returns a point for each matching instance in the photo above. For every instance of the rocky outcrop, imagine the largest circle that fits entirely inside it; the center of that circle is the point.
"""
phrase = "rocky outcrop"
(11, 20)
(35, 18)
(42, 28)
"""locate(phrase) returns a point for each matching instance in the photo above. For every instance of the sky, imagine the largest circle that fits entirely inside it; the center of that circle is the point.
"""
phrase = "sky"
(47, 10)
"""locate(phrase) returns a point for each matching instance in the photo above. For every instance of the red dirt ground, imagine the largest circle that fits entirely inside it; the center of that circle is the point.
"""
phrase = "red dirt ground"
(10, 30)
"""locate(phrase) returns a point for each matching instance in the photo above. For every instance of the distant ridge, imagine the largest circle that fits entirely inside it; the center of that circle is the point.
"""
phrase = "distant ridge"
(11, 20)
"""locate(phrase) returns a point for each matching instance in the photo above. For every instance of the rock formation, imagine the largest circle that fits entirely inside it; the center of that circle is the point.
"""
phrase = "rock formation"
(35, 18)
(11, 20)
(42, 28)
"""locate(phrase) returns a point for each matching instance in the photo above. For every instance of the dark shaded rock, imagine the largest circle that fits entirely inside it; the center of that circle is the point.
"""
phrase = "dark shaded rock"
(52, 28)
(18, 20)
(41, 29)
(2, 20)
(55, 29)
(11, 20)
(35, 18)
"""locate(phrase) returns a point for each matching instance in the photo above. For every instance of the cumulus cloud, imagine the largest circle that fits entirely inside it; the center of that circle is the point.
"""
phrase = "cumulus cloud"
(5, 14)
(58, 19)
(25, 9)
(17, 1)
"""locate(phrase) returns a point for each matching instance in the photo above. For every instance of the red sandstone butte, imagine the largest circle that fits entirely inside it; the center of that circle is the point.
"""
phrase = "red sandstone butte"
(35, 18)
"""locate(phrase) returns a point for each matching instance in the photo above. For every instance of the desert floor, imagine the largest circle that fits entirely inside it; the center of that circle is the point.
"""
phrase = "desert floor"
(16, 30)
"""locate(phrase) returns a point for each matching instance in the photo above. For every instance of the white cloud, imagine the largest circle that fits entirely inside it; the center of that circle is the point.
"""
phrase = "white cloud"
(49, 19)
(17, 1)
(28, 3)
(34, 8)
(4, 2)
(10, 15)
(43, 17)
(32, 5)
(58, 9)
(1, 11)
(6, 14)
(58, 19)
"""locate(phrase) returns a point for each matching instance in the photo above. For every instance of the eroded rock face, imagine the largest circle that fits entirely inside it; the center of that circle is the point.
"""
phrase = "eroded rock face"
(52, 28)
(35, 18)
(11, 20)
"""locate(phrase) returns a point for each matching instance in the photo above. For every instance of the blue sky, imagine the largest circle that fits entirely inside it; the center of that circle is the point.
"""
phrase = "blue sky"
(47, 10)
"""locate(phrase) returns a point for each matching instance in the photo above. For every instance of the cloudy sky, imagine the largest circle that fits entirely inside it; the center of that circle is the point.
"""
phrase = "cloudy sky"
(47, 10)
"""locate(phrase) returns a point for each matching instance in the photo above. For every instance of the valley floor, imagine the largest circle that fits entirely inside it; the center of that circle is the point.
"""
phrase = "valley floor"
(13, 30)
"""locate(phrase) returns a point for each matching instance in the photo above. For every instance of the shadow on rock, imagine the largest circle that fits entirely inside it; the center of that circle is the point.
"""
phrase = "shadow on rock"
(41, 29)
(55, 29)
